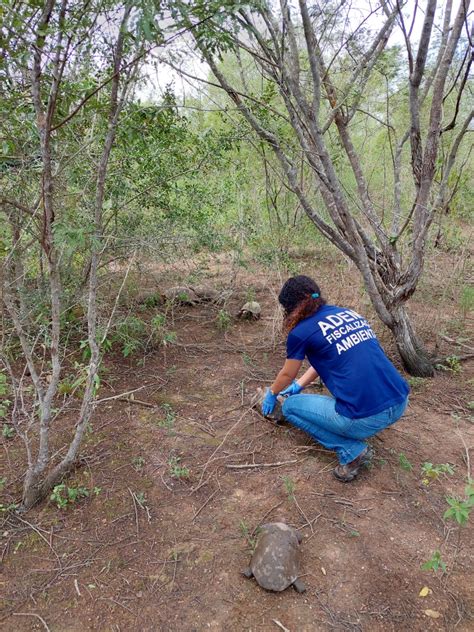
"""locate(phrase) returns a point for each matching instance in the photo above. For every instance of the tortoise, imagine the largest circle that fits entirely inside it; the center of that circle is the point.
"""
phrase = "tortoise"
(250, 311)
(207, 294)
(257, 401)
(275, 561)
(181, 294)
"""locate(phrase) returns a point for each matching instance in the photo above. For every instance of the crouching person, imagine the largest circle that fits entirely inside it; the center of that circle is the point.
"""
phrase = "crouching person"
(368, 393)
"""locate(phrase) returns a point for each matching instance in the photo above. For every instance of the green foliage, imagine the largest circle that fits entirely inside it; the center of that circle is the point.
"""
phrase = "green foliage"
(404, 462)
(138, 463)
(435, 563)
(7, 508)
(129, 333)
(460, 508)
(8, 432)
(290, 487)
(169, 417)
(177, 470)
(452, 363)
(416, 382)
(160, 333)
(466, 300)
(223, 320)
(432, 472)
(4, 401)
(63, 496)
(250, 538)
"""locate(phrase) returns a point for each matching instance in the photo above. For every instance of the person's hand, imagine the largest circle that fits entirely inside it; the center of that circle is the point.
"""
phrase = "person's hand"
(268, 403)
(293, 389)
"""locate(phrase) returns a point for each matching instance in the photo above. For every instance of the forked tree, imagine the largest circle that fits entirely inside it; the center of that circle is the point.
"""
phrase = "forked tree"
(322, 59)
(42, 62)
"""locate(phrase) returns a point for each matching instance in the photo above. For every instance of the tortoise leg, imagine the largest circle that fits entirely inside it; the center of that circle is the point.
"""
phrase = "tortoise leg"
(247, 572)
(299, 586)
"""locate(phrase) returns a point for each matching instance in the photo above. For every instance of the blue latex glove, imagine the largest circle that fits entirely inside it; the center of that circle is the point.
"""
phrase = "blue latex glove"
(293, 389)
(268, 403)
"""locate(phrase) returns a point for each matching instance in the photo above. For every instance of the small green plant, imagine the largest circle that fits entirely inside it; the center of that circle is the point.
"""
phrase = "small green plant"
(454, 364)
(183, 297)
(169, 417)
(153, 300)
(466, 300)
(459, 509)
(354, 533)
(404, 463)
(432, 472)
(249, 537)
(3, 480)
(223, 320)
(6, 508)
(250, 295)
(160, 334)
(416, 382)
(140, 497)
(63, 496)
(247, 359)
(177, 470)
(8, 432)
(138, 462)
(130, 334)
(435, 563)
(4, 401)
(290, 487)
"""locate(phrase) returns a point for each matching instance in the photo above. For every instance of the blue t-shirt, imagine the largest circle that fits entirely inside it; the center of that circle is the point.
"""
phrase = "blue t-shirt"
(345, 352)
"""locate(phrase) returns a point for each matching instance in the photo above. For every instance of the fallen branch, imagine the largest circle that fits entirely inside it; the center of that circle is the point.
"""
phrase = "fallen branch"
(244, 466)
(32, 614)
(280, 625)
(206, 503)
(138, 402)
(265, 516)
(136, 512)
(121, 395)
(455, 342)
(468, 356)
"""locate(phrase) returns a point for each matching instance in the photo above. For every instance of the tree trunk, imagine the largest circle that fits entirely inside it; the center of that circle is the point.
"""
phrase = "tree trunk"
(411, 349)
(32, 491)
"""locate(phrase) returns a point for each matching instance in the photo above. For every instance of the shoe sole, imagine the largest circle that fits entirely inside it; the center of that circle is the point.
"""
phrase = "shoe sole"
(367, 458)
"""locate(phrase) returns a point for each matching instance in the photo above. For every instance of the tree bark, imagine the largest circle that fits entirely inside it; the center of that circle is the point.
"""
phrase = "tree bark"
(411, 350)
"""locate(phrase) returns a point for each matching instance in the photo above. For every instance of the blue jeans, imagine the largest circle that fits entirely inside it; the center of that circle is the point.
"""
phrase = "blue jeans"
(316, 415)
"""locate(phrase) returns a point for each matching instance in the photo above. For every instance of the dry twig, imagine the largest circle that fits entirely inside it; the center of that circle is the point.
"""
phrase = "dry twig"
(32, 614)
(243, 466)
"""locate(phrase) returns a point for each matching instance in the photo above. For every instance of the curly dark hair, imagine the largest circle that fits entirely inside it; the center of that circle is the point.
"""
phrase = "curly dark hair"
(297, 300)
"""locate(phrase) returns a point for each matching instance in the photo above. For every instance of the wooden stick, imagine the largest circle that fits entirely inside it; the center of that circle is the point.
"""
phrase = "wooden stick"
(244, 466)
(136, 512)
(202, 506)
(280, 625)
(138, 402)
(32, 614)
(265, 516)
(455, 342)
(120, 395)
(461, 358)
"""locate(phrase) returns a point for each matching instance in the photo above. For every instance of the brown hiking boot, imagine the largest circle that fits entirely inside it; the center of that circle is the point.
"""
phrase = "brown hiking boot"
(348, 472)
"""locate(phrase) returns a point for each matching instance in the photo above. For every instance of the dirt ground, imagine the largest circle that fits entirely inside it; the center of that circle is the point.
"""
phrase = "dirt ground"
(162, 545)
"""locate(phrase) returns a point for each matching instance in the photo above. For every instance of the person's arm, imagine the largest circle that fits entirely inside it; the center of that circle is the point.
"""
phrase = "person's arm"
(308, 376)
(286, 376)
